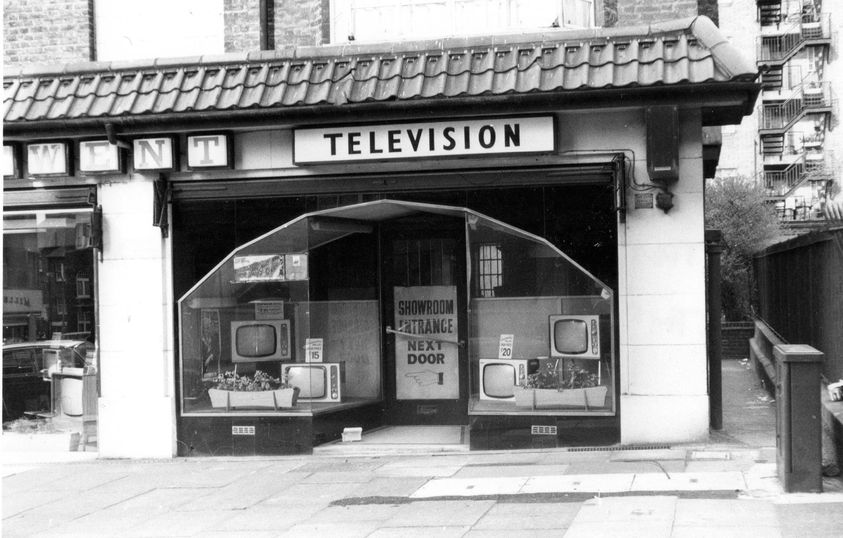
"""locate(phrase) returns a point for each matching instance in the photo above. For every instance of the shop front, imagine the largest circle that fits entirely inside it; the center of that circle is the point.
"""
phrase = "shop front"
(392, 312)
(504, 235)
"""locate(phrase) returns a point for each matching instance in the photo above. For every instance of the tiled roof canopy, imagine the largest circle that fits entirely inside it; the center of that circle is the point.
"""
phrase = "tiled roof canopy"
(675, 54)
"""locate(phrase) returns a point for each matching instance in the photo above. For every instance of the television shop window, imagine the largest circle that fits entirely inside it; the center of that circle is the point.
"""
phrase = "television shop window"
(286, 324)
(542, 342)
(48, 288)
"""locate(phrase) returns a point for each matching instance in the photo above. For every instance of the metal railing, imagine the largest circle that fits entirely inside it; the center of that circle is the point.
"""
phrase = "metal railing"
(777, 48)
(780, 182)
(783, 115)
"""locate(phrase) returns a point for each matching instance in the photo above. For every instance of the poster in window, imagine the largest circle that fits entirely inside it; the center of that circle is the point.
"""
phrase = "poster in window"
(210, 341)
(426, 349)
(270, 267)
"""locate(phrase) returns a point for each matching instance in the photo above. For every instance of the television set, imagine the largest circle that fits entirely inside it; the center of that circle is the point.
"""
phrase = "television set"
(260, 340)
(317, 381)
(499, 377)
(575, 337)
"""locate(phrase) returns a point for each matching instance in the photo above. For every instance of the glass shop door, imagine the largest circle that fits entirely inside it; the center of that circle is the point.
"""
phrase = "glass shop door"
(424, 318)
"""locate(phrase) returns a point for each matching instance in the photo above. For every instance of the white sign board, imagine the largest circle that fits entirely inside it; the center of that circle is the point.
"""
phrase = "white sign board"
(426, 349)
(459, 137)
(505, 346)
(9, 166)
(49, 158)
(98, 156)
(153, 153)
(207, 151)
(313, 350)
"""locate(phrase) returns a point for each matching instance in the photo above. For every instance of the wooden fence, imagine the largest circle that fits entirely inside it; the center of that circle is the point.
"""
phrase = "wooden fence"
(800, 285)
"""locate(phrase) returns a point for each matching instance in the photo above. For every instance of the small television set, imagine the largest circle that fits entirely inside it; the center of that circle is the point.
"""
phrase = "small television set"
(317, 381)
(499, 377)
(260, 340)
(575, 337)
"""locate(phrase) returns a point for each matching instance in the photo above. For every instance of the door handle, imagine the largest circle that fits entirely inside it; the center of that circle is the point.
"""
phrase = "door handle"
(458, 343)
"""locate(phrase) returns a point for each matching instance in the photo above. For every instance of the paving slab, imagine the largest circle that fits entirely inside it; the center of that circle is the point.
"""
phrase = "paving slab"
(528, 516)
(470, 487)
(389, 487)
(650, 516)
(315, 494)
(349, 529)
(740, 531)
(426, 532)
(504, 470)
(174, 524)
(264, 519)
(579, 483)
(627, 467)
(815, 519)
(439, 513)
(362, 512)
(714, 481)
(716, 513)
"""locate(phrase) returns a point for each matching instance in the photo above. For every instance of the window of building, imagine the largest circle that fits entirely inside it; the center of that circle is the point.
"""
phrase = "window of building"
(490, 267)
(83, 284)
(374, 20)
(83, 321)
(127, 29)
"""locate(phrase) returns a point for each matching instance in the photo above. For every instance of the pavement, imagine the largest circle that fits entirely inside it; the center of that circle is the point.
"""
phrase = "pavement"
(726, 485)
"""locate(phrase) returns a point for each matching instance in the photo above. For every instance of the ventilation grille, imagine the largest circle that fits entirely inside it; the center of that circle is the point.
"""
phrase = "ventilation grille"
(616, 447)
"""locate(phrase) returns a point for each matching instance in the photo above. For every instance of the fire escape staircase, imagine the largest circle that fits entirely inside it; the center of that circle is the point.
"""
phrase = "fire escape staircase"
(777, 118)
(776, 50)
(780, 184)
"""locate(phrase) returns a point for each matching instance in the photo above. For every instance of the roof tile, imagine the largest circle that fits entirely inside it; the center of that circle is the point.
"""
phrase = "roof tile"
(688, 51)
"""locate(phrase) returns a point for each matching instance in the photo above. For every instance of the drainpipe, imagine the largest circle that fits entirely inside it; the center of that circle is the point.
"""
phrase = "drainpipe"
(714, 248)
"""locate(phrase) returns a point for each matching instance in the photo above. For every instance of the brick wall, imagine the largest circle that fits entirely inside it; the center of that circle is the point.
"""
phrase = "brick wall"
(299, 22)
(735, 339)
(242, 25)
(35, 34)
(631, 12)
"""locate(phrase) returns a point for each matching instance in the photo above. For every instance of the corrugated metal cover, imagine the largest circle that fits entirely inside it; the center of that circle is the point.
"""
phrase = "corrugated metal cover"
(690, 52)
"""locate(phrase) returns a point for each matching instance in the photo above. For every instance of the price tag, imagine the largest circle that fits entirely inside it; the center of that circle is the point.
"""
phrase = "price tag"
(313, 350)
(505, 348)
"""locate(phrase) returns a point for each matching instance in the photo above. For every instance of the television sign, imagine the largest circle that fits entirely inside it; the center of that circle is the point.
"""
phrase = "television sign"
(458, 137)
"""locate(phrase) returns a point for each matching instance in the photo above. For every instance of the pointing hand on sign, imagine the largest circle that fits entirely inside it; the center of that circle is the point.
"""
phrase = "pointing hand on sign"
(427, 377)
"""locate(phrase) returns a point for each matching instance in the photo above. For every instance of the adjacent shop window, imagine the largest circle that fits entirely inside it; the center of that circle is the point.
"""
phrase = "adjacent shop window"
(48, 287)
(372, 20)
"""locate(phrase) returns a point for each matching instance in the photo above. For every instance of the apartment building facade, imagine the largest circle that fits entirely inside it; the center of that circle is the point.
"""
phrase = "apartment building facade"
(790, 144)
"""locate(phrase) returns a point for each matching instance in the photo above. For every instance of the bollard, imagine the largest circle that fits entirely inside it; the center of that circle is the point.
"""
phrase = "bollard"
(798, 419)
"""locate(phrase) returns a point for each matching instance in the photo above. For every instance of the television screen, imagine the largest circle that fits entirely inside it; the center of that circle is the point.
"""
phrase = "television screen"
(312, 381)
(499, 380)
(570, 336)
(255, 341)
(262, 340)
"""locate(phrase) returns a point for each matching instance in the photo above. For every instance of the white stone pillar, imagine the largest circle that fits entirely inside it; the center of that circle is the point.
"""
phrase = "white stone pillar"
(664, 389)
(137, 401)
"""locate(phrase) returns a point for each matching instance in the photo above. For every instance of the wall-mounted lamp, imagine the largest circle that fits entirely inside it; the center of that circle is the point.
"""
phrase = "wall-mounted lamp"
(664, 200)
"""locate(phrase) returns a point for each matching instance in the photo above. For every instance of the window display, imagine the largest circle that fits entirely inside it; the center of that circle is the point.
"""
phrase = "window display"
(297, 320)
(541, 341)
(275, 328)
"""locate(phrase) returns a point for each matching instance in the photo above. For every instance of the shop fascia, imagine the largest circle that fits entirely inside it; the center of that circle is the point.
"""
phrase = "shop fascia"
(322, 145)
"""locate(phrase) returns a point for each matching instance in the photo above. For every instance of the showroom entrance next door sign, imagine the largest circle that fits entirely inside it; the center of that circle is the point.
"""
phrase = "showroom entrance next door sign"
(459, 137)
